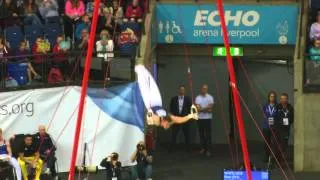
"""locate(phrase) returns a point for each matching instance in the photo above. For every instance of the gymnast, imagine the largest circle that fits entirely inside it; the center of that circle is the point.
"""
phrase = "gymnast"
(150, 93)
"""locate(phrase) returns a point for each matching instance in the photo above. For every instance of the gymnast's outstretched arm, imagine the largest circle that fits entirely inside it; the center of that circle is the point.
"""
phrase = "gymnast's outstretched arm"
(180, 120)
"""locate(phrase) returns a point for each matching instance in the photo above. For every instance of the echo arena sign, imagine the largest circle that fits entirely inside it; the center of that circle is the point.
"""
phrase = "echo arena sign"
(247, 24)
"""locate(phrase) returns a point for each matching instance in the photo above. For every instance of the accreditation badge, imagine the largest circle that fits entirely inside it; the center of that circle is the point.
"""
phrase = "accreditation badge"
(114, 178)
(270, 121)
(285, 121)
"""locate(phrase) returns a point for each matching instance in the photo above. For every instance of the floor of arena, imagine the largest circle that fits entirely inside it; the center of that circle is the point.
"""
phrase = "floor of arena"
(182, 165)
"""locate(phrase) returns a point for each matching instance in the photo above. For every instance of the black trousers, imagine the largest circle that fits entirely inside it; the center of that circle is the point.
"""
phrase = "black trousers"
(204, 126)
(185, 129)
(281, 143)
(51, 163)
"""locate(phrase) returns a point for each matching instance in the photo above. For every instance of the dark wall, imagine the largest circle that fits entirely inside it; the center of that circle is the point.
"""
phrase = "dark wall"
(173, 72)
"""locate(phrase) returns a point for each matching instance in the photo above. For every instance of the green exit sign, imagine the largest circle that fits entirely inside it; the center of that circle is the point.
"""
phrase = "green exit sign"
(221, 51)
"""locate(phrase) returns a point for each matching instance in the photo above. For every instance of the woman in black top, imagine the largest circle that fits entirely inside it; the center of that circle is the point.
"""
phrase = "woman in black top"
(113, 166)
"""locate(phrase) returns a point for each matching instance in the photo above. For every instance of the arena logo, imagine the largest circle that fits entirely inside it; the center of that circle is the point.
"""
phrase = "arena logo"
(26, 109)
(244, 18)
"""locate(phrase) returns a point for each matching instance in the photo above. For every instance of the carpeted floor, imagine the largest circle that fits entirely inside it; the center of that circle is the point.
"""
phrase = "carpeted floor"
(183, 165)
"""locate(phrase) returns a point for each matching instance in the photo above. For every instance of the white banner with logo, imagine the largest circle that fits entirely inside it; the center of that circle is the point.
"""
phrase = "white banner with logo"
(106, 128)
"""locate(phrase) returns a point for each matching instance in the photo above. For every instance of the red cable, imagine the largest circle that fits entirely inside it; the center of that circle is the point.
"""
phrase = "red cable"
(186, 59)
(84, 90)
(234, 89)
(260, 132)
(222, 111)
(250, 84)
(57, 107)
(271, 129)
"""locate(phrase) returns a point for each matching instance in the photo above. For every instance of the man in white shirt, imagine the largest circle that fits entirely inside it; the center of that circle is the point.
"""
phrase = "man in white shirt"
(204, 103)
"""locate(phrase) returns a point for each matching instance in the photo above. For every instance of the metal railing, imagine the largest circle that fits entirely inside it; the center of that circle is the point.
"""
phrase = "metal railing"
(15, 70)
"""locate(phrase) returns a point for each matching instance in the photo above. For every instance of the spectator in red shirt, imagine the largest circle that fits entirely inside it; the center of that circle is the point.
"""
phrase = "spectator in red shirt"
(60, 57)
(134, 11)
(39, 49)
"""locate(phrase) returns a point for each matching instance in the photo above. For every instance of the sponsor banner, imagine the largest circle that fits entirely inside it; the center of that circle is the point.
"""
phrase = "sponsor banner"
(113, 120)
(247, 24)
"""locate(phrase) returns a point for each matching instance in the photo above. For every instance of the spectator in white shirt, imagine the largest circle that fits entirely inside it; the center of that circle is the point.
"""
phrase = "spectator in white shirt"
(204, 103)
(104, 48)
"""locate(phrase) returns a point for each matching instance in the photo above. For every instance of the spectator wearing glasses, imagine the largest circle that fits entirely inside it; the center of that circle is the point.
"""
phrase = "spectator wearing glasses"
(74, 9)
(315, 28)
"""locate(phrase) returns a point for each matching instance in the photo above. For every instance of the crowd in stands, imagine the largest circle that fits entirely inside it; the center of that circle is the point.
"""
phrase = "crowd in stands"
(33, 31)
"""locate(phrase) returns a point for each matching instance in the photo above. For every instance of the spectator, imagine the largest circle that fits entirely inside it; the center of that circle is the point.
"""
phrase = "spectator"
(22, 66)
(105, 46)
(6, 154)
(74, 9)
(143, 169)
(84, 24)
(83, 42)
(90, 8)
(39, 49)
(127, 42)
(48, 9)
(107, 22)
(47, 149)
(117, 12)
(8, 13)
(315, 28)
(113, 166)
(60, 57)
(104, 49)
(315, 51)
(29, 157)
(4, 51)
(29, 11)
(134, 11)
(314, 64)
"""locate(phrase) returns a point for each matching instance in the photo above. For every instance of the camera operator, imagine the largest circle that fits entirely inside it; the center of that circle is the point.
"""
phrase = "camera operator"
(143, 169)
(113, 166)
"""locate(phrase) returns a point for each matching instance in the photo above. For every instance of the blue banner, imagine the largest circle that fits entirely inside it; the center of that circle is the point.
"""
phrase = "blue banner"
(247, 24)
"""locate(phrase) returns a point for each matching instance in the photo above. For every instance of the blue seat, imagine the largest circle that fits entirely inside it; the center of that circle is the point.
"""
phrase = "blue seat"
(51, 31)
(32, 32)
(19, 72)
(14, 36)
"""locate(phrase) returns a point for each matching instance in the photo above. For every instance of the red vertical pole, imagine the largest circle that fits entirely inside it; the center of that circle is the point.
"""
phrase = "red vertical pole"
(84, 89)
(234, 88)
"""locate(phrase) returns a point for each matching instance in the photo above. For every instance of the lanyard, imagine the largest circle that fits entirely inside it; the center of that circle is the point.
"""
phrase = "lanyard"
(271, 111)
(285, 112)
(113, 169)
